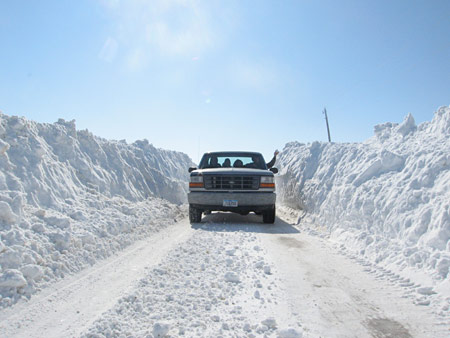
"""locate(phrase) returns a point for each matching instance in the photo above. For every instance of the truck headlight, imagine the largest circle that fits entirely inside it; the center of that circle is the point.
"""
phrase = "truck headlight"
(267, 182)
(196, 182)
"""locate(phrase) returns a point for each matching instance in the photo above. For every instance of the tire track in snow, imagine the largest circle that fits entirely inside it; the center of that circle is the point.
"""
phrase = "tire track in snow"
(218, 283)
(334, 297)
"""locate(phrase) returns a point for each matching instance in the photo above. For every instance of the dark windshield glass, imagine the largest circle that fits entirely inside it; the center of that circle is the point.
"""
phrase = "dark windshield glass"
(233, 160)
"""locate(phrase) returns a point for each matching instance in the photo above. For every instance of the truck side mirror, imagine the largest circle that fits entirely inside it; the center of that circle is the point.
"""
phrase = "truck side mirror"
(191, 169)
(274, 170)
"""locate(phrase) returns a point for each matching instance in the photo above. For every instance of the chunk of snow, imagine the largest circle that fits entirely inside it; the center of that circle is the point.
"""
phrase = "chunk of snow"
(270, 322)
(232, 277)
(289, 333)
(10, 258)
(262, 329)
(3, 147)
(32, 271)
(230, 252)
(12, 278)
(259, 264)
(407, 126)
(443, 266)
(160, 329)
(60, 222)
(426, 291)
(6, 214)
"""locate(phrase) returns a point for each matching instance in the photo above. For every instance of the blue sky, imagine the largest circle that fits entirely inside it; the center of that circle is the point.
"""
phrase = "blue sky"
(195, 76)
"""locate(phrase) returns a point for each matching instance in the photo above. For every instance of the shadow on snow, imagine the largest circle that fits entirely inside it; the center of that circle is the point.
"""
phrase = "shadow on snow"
(231, 222)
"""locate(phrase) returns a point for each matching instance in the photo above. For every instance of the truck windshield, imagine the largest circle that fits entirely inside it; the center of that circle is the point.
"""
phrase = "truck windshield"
(233, 160)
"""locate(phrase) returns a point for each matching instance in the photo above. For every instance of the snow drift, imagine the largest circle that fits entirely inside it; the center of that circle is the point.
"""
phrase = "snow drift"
(387, 199)
(69, 198)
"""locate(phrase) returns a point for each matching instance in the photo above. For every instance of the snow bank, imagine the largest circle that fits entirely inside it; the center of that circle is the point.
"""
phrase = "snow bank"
(69, 198)
(387, 199)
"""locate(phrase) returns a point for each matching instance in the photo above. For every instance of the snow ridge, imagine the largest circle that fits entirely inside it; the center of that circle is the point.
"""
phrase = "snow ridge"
(63, 161)
(387, 199)
(69, 198)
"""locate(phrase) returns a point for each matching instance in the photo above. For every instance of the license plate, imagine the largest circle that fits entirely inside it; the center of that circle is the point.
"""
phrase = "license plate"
(230, 203)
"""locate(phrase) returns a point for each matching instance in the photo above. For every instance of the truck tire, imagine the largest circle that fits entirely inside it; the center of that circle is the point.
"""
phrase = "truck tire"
(269, 215)
(195, 215)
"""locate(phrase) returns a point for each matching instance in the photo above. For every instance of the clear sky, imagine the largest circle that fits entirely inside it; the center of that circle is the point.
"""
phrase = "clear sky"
(207, 75)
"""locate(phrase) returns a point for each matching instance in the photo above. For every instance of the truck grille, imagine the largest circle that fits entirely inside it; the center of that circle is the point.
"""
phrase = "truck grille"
(231, 182)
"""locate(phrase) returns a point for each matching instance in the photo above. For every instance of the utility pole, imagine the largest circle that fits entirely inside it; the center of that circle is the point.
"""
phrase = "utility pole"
(328, 127)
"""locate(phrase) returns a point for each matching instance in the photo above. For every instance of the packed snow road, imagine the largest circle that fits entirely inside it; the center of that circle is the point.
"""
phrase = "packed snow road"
(228, 276)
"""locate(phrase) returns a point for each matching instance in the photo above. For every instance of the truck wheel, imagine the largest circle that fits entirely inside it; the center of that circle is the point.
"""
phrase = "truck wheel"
(195, 215)
(269, 215)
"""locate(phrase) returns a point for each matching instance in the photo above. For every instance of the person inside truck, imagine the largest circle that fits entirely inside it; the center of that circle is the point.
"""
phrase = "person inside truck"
(272, 161)
(214, 163)
(256, 163)
(226, 163)
(238, 164)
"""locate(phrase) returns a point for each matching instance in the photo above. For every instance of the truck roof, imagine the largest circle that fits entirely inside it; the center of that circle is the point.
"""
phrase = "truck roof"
(248, 153)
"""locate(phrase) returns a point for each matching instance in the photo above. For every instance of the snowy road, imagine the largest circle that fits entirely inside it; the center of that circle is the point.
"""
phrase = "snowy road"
(228, 276)
(70, 306)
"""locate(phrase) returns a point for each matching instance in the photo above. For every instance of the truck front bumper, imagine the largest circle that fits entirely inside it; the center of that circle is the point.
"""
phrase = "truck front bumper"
(251, 201)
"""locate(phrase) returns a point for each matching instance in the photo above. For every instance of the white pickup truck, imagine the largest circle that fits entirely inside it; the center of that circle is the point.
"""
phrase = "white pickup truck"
(233, 181)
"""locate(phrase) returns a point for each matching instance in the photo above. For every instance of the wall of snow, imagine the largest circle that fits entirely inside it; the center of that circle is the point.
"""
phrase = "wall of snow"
(53, 162)
(387, 198)
(69, 198)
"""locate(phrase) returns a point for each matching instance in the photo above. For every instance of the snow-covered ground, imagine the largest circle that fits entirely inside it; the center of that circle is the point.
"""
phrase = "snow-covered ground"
(69, 306)
(386, 200)
(230, 276)
(94, 240)
(68, 199)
